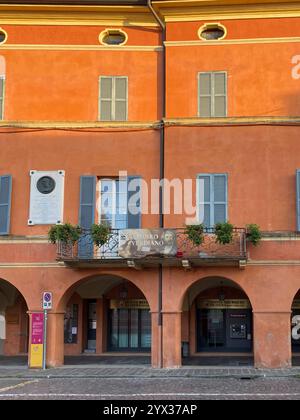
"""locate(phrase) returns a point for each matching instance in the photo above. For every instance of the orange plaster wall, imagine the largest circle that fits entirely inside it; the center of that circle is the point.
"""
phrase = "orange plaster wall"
(106, 154)
(76, 348)
(260, 81)
(261, 164)
(64, 85)
(76, 35)
(16, 341)
(237, 28)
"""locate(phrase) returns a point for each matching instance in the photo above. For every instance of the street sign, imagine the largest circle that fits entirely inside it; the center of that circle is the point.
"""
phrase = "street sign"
(47, 300)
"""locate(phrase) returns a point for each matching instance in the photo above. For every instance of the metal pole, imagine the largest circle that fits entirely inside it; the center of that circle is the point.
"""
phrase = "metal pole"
(45, 339)
(161, 171)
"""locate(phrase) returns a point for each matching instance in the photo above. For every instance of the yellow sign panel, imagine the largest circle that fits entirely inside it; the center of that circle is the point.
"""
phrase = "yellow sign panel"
(36, 355)
(129, 304)
(224, 304)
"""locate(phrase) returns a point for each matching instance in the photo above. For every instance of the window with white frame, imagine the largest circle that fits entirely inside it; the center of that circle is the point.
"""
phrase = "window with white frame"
(212, 198)
(113, 209)
(212, 88)
(113, 98)
(2, 81)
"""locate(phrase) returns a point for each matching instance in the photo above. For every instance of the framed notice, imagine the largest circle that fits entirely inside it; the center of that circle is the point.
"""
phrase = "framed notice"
(46, 197)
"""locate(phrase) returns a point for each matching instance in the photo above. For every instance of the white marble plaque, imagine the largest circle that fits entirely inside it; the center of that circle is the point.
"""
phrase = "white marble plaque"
(46, 197)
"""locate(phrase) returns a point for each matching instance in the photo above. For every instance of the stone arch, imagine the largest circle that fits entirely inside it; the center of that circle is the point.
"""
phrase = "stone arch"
(64, 297)
(13, 319)
(209, 282)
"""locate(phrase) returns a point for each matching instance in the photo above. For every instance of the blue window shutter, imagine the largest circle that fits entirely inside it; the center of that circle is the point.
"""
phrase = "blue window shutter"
(134, 202)
(204, 199)
(87, 214)
(5, 203)
(220, 198)
(298, 198)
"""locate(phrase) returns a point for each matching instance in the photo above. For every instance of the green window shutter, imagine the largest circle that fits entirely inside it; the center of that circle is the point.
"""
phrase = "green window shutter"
(134, 202)
(86, 214)
(205, 95)
(212, 94)
(113, 98)
(106, 98)
(5, 203)
(298, 198)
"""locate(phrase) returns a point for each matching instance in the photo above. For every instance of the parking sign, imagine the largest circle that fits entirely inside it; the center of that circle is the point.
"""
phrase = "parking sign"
(47, 300)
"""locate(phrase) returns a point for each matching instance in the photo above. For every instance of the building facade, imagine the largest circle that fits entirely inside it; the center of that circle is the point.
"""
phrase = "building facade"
(100, 101)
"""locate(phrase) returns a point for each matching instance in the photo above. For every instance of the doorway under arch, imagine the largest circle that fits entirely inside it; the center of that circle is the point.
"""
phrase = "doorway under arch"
(14, 325)
(217, 325)
(109, 318)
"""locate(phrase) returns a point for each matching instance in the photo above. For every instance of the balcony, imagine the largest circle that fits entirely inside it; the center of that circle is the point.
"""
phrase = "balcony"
(169, 247)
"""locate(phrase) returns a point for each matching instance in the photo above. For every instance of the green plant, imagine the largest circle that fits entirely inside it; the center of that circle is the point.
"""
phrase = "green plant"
(64, 233)
(253, 234)
(224, 233)
(195, 233)
(100, 234)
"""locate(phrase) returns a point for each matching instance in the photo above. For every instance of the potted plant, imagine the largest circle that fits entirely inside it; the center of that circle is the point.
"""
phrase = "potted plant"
(65, 233)
(195, 233)
(224, 233)
(253, 234)
(100, 234)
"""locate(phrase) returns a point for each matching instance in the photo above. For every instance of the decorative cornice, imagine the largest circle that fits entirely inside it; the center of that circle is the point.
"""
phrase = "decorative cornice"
(70, 47)
(33, 265)
(80, 125)
(190, 10)
(76, 15)
(202, 43)
(230, 121)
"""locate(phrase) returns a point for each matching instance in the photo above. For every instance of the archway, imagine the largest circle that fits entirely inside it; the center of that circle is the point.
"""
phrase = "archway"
(217, 325)
(14, 325)
(295, 328)
(108, 317)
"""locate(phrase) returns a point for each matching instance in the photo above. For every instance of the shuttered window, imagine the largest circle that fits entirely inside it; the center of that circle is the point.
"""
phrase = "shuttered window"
(212, 199)
(113, 98)
(298, 198)
(212, 88)
(2, 80)
(5, 203)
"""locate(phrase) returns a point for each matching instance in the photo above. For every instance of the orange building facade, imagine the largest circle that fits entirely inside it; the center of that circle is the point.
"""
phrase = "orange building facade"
(204, 94)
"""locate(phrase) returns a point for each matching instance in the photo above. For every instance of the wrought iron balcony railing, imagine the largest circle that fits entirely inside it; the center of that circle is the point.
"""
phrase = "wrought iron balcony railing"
(182, 248)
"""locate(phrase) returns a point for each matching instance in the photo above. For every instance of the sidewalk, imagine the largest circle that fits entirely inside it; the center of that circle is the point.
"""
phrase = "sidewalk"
(116, 371)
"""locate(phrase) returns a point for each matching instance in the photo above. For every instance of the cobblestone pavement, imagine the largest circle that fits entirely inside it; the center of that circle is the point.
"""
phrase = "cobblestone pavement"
(137, 371)
(158, 388)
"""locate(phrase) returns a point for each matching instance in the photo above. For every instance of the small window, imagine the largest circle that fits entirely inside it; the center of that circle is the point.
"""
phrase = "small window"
(212, 31)
(113, 98)
(212, 88)
(3, 36)
(113, 37)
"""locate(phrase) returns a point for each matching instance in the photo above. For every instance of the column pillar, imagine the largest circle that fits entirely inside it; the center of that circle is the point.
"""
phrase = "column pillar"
(155, 341)
(55, 339)
(272, 339)
(172, 339)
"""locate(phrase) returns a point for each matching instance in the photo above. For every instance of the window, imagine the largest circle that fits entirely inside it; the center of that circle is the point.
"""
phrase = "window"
(3, 36)
(212, 199)
(113, 209)
(113, 98)
(2, 79)
(212, 31)
(113, 37)
(212, 88)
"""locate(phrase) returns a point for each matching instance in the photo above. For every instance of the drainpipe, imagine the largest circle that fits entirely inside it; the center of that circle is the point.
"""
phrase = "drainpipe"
(161, 174)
